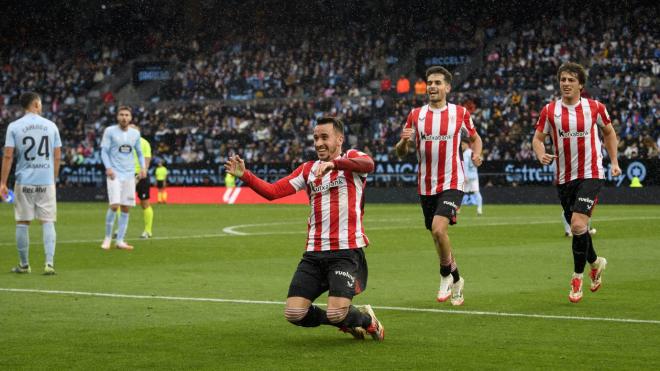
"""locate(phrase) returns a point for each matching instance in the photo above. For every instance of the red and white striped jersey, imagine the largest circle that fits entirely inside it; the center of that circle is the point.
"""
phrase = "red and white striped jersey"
(438, 138)
(574, 131)
(336, 200)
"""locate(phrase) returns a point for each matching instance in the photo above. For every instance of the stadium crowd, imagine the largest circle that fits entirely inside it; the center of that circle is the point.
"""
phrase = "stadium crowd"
(203, 115)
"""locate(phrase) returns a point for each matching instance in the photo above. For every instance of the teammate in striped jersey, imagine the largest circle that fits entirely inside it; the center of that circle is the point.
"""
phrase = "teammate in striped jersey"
(437, 128)
(573, 122)
(334, 260)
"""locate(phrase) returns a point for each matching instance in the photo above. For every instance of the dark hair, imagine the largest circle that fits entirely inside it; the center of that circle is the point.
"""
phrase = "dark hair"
(337, 124)
(27, 98)
(125, 108)
(574, 68)
(439, 69)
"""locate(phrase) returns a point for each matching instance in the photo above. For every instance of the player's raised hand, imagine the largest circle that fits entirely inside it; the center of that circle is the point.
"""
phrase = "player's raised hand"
(476, 159)
(235, 166)
(547, 159)
(324, 168)
(406, 134)
(615, 170)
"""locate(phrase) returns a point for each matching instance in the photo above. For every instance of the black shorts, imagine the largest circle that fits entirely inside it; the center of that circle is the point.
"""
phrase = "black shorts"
(445, 203)
(142, 188)
(579, 196)
(160, 184)
(343, 273)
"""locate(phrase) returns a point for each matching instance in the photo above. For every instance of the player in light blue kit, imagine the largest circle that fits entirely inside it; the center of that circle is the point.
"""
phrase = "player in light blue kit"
(471, 185)
(35, 142)
(117, 146)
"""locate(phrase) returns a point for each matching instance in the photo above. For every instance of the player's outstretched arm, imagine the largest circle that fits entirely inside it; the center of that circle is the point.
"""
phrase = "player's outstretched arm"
(282, 188)
(611, 143)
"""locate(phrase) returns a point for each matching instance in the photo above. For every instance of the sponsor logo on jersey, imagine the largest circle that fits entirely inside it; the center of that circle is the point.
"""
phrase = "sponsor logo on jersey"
(573, 134)
(125, 148)
(325, 187)
(445, 138)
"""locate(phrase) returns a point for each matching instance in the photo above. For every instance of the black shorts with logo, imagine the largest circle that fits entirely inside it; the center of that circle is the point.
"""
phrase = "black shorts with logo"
(142, 188)
(445, 203)
(579, 196)
(343, 273)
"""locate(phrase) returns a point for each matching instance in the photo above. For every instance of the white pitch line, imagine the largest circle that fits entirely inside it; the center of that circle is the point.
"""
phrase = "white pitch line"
(402, 309)
(232, 232)
(197, 236)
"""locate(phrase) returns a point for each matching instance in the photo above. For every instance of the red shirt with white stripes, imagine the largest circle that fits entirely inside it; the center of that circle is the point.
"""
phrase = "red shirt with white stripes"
(336, 199)
(437, 138)
(574, 132)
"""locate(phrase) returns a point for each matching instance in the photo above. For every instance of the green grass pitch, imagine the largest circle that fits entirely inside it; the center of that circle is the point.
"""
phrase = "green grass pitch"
(237, 260)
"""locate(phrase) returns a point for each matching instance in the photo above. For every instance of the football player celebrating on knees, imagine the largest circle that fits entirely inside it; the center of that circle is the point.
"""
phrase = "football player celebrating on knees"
(334, 259)
(117, 146)
(35, 142)
(437, 128)
(573, 122)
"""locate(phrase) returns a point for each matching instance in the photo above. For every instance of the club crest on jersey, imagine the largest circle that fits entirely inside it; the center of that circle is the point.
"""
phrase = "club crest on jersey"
(573, 134)
(432, 137)
(325, 187)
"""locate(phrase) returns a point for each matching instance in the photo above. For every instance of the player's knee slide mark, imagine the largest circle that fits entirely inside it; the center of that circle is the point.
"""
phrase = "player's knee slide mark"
(336, 315)
(295, 315)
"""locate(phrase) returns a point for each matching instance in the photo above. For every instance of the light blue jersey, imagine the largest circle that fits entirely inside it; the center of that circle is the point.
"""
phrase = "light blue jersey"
(468, 166)
(117, 148)
(34, 139)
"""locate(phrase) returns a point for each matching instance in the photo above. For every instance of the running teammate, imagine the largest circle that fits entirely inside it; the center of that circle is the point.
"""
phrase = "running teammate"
(437, 129)
(573, 122)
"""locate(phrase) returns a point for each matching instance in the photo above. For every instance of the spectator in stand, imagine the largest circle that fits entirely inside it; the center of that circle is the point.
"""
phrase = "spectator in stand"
(403, 87)
(420, 88)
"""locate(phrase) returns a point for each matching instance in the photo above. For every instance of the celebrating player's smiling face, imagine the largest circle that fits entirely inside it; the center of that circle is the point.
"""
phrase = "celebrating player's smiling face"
(124, 118)
(570, 86)
(327, 142)
(437, 88)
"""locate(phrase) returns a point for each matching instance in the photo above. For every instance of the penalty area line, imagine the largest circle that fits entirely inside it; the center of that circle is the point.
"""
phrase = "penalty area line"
(399, 309)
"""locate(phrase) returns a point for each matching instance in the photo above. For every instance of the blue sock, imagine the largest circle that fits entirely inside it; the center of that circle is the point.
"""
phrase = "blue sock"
(123, 225)
(23, 243)
(49, 241)
(109, 223)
